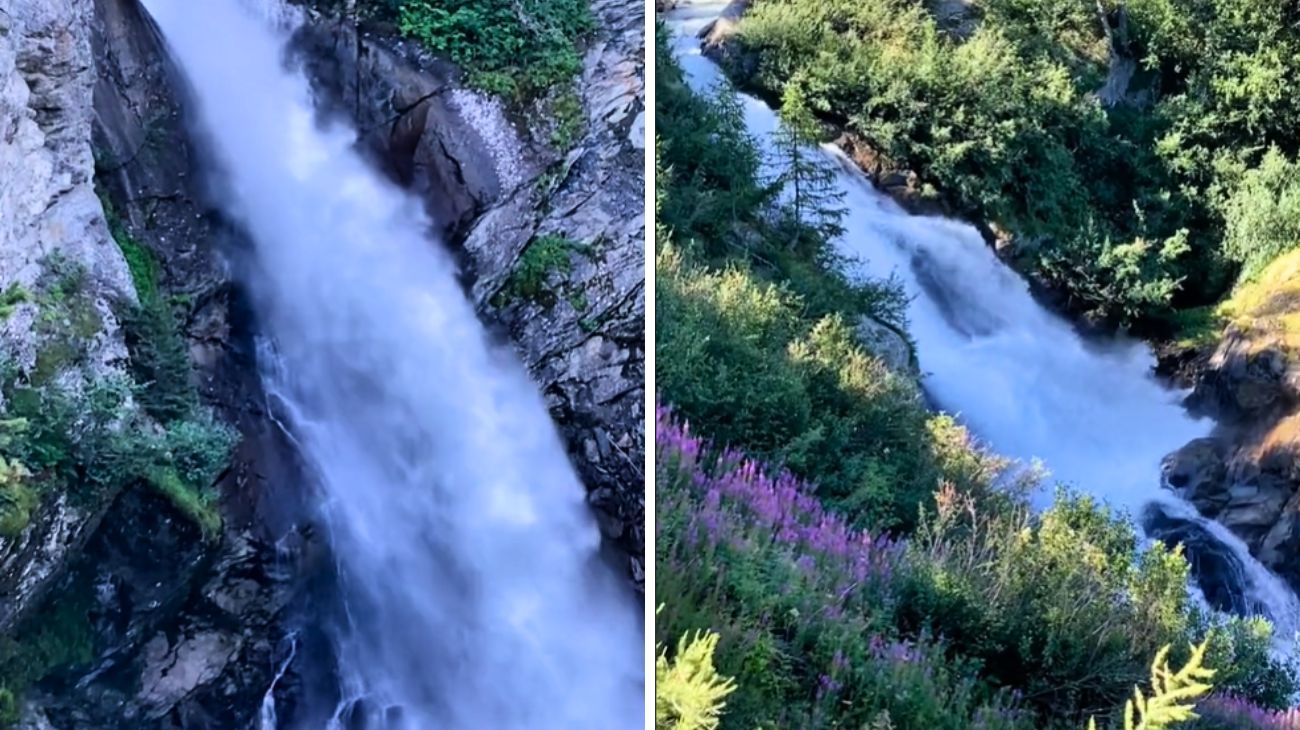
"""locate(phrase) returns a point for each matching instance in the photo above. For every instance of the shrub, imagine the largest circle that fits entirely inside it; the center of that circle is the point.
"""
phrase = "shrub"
(1173, 694)
(1228, 712)
(1247, 667)
(740, 360)
(803, 604)
(689, 692)
(543, 258)
(1115, 202)
(1061, 605)
(516, 49)
(1262, 214)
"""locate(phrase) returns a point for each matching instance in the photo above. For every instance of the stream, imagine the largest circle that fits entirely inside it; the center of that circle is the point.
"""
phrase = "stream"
(1089, 411)
(470, 581)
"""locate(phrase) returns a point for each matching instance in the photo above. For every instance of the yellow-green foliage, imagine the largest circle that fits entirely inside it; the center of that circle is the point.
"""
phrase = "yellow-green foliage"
(1269, 304)
(689, 692)
(1174, 694)
(1264, 307)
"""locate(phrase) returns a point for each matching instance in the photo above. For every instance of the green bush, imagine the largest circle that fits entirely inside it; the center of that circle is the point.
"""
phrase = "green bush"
(1117, 206)
(1241, 651)
(542, 259)
(1262, 214)
(1173, 694)
(518, 49)
(739, 359)
(1061, 606)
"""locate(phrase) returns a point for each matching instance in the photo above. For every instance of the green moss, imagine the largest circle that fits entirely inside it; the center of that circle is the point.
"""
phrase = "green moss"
(195, 504)
(542, 258)
(10, 299)
(1267, 307)
(1197, 328)
(578, 300)
(57, 636)
(17, 499)
(569, 119)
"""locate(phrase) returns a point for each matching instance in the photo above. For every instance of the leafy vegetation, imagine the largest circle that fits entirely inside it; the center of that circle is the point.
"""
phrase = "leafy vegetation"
(1136, 196)
(71, 428)
(689, 693)
(519, 49)
(543, 258)
(861, 562)
(1173, 694)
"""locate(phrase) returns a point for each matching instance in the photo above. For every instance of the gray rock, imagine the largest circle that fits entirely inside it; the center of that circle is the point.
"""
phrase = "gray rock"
(48, 206)
(887, 343)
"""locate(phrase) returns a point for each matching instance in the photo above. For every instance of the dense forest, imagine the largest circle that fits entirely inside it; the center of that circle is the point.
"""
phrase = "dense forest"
(830, 552)
(1139, 157)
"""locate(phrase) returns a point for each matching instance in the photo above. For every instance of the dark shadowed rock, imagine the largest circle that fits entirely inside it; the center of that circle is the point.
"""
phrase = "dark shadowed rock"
(1198, 473)
(1219, 574)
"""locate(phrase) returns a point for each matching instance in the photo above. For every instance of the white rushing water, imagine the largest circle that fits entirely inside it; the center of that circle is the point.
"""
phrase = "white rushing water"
(467, 553)
(1019, 376)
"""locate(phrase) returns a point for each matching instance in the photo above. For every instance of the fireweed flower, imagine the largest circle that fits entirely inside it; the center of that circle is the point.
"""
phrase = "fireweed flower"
(736, 502)
(1229, 711)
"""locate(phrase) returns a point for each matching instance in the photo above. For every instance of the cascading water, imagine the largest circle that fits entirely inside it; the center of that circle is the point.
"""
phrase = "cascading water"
(467, 555)
(1020, 377)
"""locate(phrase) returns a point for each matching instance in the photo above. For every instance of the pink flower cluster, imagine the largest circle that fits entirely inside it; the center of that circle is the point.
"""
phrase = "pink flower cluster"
(737, 499)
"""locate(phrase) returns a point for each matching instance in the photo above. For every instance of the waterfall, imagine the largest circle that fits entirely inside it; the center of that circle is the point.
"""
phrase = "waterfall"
(467, 554)
(1021, 378)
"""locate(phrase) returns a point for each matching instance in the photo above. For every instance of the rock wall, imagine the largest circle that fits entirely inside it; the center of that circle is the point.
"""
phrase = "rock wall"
(490, 176)
(48, 207)
(183, 629)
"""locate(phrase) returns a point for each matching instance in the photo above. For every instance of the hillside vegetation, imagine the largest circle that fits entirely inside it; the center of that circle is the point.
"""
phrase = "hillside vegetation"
(830, 553)
(1140, 154)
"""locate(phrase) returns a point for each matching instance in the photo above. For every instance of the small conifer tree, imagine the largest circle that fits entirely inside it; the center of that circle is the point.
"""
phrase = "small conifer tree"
(805, 176)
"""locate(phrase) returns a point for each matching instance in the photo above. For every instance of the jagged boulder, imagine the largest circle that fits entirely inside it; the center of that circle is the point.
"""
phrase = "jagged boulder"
(1198, 472)
(889, 344)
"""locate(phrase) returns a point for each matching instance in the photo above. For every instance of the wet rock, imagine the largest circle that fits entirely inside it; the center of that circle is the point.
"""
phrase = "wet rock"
(583, 338)
(1217, 571)
(888, 344)
(720, 42)
(1198, 473)
(1247, 380)
(450, 145)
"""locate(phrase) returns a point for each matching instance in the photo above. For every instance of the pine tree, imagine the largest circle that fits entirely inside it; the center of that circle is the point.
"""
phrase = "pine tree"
(806, 177)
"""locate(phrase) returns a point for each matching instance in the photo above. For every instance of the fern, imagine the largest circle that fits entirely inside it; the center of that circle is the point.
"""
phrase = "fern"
(689, 692)
(1174, 694)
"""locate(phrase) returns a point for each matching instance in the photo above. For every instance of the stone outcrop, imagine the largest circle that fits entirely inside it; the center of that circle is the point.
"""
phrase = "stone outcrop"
(890, 345)
(1250, 383)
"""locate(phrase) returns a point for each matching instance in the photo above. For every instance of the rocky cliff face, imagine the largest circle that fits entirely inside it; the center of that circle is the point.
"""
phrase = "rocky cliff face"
(162, 626)
(1248, 475)
(552, 241)
(48, 208)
